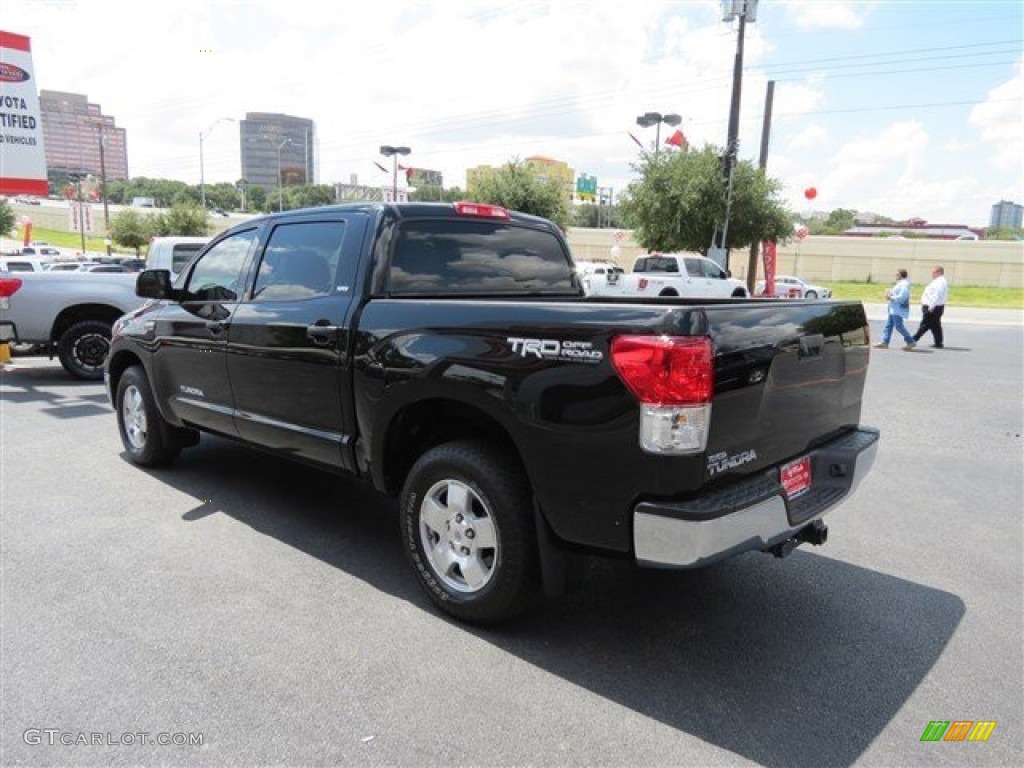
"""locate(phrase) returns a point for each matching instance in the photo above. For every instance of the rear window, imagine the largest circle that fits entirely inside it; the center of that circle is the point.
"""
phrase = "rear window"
(20, 266)
(182, 253)
(447, 257)
(655, 264)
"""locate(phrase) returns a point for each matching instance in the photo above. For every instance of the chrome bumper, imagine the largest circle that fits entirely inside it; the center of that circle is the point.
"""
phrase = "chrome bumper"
(753, 514)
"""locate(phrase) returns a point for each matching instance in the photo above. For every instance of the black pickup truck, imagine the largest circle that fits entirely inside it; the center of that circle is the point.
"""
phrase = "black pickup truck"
(447, 354)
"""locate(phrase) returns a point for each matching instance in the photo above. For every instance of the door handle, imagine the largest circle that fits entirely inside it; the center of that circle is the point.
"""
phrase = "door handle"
(321, 332)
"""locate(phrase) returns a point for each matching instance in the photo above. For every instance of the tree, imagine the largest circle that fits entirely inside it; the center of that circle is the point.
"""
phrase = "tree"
(1004, 233)
(257, 199)
(680, 200)
(222, 195)
(516, 187)
(7, 217)
(131, 229)
(182, 219)
(840, 220)
(308, 196)
(436, 194)
(595, 216)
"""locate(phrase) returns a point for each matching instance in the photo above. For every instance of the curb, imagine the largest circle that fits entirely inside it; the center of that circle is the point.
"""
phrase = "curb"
(955, 315)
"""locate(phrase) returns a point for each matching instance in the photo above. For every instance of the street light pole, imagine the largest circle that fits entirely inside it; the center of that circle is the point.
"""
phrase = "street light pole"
(103, 184)
(203, 135)
(77, 179)
(280, 181)
(393, 153)
(647, 119)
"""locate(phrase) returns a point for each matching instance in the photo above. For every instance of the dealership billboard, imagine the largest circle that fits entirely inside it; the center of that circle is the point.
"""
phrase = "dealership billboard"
(22, 159)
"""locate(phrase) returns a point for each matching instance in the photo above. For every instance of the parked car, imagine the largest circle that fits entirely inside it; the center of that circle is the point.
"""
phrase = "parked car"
(446, 353)
(686, 275)
(73, 266)
(596, 275)
(40, 250)
(173, 253)
(133, 265)
(789, 287)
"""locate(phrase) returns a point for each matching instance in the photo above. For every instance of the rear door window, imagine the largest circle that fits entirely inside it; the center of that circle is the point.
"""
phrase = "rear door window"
(450, 257)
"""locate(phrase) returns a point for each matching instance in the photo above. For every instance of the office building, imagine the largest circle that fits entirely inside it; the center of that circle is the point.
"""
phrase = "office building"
(79, 139)
(1006, 214)
(542, 168)
(277, 150)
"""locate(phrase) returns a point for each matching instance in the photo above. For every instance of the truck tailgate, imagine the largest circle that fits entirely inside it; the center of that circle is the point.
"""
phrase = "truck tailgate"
(788, 375)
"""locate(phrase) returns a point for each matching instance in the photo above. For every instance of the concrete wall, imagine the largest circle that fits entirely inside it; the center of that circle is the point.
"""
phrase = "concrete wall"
(840, 259)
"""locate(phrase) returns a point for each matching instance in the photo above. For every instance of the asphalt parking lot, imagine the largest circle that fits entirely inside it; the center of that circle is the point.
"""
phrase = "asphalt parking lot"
(267, 608)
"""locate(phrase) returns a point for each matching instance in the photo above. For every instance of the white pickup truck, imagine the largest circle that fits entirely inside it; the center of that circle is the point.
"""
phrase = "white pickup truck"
(70, 314)
(687, 275)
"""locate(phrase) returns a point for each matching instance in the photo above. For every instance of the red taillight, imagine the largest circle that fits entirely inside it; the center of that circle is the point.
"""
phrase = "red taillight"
(8, 286)
(481, 209)
(664, 370)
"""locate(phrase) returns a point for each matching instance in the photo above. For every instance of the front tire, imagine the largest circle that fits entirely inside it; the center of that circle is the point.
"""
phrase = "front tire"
(83, 347)
(467, 521)
(146, 436)
(811, 295)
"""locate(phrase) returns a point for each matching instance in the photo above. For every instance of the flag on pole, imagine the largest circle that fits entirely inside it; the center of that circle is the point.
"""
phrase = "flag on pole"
(677, 139)
(634, 138)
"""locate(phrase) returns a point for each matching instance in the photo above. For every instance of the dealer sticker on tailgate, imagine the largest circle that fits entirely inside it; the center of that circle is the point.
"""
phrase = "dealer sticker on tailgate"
(796, 477)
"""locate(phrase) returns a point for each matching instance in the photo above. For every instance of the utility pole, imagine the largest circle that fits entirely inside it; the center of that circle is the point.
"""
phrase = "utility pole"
(762, 163)
(745, 10)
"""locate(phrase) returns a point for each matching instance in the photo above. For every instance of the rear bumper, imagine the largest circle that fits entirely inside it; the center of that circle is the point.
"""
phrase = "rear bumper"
(753, 514)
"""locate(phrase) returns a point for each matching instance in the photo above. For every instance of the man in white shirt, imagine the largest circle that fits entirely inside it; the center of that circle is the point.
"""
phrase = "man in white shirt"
(933, 304)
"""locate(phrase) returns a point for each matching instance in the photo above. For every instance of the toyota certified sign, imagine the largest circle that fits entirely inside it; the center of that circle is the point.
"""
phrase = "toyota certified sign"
(22, 160)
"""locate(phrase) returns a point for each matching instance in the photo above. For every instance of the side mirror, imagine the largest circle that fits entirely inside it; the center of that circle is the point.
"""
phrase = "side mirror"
(154, 284)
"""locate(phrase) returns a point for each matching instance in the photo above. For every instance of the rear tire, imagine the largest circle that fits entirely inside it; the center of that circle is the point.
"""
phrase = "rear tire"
(148, 439)
(669, 292)
(82, 349)
(467, 522)
(811, 295)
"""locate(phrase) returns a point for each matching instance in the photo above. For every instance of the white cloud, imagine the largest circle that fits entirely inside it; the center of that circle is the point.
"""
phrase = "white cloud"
(811, 136)
(827, 14)
(1001, 121)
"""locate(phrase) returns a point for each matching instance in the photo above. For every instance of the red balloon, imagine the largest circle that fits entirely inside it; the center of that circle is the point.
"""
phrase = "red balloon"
(810, 193)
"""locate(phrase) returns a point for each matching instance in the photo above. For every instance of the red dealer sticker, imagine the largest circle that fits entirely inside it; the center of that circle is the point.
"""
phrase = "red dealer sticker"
(12, 74)
(796, 477)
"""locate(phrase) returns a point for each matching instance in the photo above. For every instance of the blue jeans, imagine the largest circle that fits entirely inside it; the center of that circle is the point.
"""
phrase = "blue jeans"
(896, 322)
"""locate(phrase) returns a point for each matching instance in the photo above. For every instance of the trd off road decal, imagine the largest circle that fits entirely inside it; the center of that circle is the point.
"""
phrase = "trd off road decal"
(553, 349)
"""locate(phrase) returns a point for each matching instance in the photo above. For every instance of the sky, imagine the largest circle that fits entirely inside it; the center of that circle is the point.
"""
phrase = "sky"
(900, 108)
